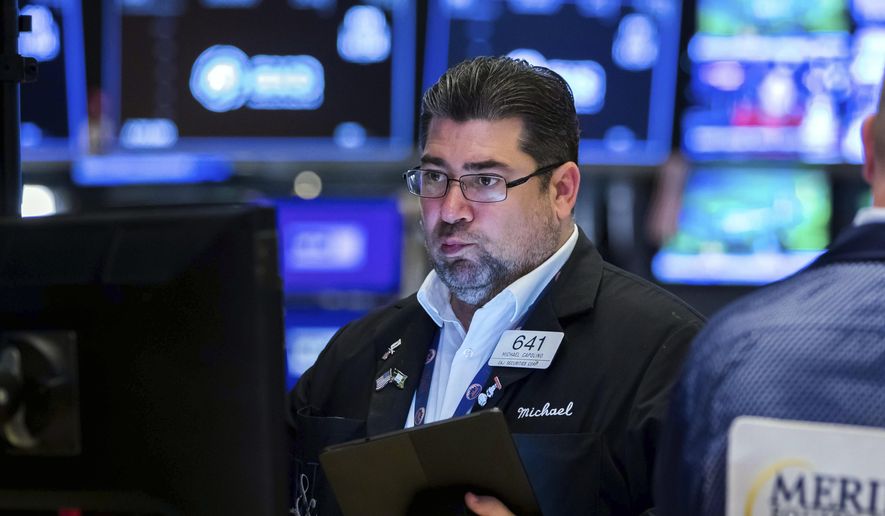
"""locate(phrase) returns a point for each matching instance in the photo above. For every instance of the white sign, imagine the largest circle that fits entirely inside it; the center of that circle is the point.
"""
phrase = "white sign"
(781, 468)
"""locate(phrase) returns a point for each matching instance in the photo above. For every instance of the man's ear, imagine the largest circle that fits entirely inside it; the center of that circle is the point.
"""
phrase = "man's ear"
(564, 185)
(868, 136)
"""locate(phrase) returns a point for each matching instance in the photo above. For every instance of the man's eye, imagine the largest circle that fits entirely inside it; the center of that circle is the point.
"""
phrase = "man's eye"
(487, 181)
(432, 176)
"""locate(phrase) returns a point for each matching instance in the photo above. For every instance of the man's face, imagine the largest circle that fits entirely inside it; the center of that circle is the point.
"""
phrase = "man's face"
(477, 249)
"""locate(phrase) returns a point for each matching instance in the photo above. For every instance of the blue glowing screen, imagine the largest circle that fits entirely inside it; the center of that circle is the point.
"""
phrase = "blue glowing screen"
(340, 245)
(868, 12)
(747, 226)
(53, 109)
(618, 57)
(266, 80)
(150, 168)
(307, 333)
(788, 79)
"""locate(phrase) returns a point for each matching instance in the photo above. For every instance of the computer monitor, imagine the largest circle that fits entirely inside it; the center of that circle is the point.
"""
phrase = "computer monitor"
(620, 59)
(790, 80)
(308, 330)
(53, 108)
(340, 245)
(747, 226)
(142, 362)
(283, 80)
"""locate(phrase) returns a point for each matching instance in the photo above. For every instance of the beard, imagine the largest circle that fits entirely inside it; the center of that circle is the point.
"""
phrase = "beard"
(476, 279)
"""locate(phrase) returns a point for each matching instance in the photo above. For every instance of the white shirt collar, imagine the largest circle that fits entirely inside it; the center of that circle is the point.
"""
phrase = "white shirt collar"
(869, 215)
(434, 296)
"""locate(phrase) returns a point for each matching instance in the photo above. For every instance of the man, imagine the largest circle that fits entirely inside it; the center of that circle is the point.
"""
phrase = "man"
(498, 180)
(809, 348)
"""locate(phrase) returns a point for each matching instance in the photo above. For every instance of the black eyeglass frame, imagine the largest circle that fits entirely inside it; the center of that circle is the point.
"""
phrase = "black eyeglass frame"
(507, 185)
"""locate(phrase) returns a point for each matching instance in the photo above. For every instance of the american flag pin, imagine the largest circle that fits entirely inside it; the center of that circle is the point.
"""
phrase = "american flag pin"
(391, 349)
(385, 378)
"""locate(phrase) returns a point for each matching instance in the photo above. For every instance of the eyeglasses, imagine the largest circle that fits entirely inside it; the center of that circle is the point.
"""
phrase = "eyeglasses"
(433, 184)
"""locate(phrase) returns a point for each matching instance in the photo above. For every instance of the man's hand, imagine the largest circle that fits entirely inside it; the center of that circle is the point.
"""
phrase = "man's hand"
(486, 505)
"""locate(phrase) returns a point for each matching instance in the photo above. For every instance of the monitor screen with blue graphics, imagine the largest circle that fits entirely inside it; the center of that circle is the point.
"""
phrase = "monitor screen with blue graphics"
(53, 108)
(619, 58)
(250, 80)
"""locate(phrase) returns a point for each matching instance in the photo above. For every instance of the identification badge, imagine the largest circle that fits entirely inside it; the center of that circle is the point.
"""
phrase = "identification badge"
(526, 348)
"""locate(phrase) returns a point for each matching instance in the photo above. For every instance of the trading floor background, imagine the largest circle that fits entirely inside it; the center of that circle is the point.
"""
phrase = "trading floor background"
(720, 138)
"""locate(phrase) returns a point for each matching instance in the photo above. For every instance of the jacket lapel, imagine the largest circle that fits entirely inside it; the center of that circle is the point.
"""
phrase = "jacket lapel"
(542, 318)
(573, 291)
(388, 406)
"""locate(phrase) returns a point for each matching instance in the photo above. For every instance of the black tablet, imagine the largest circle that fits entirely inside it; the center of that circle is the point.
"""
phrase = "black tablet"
(427, 469)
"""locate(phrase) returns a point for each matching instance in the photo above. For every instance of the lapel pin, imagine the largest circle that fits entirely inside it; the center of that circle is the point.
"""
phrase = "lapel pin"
(385, 378)
(486, 396)
(394, 376)
(399, 378)
(391, 349)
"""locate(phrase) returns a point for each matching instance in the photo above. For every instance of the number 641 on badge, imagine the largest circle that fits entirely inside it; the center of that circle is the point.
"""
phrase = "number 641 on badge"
(526, 348)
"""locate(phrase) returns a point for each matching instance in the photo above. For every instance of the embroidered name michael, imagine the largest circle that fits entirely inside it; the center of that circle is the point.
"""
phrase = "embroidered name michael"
(545, 411)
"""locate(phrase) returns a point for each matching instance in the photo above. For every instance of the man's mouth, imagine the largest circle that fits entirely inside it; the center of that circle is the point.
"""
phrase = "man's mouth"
(452, 246)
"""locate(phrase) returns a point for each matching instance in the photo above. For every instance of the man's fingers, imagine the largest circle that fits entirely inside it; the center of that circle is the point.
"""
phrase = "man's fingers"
(486, 505)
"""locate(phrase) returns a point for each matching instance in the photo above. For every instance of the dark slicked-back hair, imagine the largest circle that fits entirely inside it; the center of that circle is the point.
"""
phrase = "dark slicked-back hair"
(495, 88)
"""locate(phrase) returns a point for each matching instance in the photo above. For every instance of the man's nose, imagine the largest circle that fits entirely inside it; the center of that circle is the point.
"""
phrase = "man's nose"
(455, 207)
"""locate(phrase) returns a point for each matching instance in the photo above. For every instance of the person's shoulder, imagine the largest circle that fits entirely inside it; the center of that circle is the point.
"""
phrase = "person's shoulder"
(394, 313)
(788, 336)
(771, 307)
(642, 298)
(813, 298)
(362, 336)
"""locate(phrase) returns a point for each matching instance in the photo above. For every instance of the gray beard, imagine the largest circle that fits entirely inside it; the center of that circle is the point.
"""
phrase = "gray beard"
(476, 282)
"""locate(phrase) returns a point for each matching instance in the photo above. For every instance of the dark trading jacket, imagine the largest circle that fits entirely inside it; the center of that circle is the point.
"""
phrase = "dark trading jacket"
(624, 343)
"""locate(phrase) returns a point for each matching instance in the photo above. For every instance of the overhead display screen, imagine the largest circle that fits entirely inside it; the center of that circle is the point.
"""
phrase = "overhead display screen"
(618, 57)
(747, 226)
(53, 108)
(302, 80)
(790, 79)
